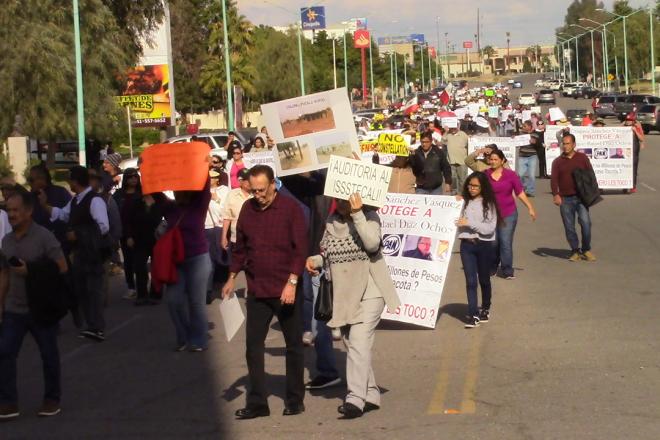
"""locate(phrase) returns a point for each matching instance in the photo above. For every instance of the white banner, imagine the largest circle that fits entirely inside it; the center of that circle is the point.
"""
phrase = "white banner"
(348, 176)
(418, 238)
(508, 145)
(610, 150)
(309, 129)
(260, 158)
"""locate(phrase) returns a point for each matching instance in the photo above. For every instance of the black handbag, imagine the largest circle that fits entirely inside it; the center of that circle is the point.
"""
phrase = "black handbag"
(323, 303)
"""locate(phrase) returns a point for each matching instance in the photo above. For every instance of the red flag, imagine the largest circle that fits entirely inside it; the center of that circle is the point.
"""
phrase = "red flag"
(444, 97)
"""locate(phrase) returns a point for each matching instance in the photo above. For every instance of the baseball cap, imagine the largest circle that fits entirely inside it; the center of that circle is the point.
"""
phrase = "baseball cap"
(244, 174)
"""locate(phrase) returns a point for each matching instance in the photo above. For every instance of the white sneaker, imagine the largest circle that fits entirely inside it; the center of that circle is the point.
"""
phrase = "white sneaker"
(308, 338)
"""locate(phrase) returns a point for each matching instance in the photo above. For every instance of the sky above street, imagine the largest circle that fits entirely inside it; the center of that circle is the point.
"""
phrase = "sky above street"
(529, 21)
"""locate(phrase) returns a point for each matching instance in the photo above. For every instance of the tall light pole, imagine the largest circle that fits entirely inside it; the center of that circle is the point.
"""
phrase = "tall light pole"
(428, 56)
(652, 49)
(334, 61)
(606, 61)
(391, 78)
(508, 52)
(80, 104)
(371, 70)
(625, 37)
(593, 57)
(345, 64)
(405, 75)
(437, 51)
(230, 100)
(447, 55)
(396, 75)
(565, 49)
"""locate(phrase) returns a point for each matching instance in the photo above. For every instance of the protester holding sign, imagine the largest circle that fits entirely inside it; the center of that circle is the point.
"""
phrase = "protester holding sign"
(362, 287)
(476, 230)
(505, 183)
(638, 144)
(430, 166)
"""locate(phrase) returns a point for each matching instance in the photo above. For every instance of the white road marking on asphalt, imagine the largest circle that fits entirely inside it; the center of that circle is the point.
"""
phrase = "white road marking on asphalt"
(648, 187)
(114, 330)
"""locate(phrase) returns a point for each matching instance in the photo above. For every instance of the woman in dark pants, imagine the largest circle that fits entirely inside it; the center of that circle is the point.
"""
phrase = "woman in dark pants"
(129, 194)
(140, 223)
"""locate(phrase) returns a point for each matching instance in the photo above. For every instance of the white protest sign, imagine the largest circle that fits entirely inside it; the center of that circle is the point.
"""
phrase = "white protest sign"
(383, 159)
(504, 114)
(460, 112)
(508, 145)
(418, 237)
(450, 122)
(556, 114)
(609, 149)
(473, 109)
(348, 176)
(526, 115)
(260, 158)
(536, 109)
(308, 130)
(493, 111)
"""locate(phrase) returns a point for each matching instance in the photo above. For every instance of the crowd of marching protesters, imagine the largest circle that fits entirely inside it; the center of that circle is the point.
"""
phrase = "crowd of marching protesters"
(186, 248)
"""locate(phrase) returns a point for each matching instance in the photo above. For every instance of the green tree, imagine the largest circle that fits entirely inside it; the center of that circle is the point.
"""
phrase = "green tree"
(488, 51)
(212, 78)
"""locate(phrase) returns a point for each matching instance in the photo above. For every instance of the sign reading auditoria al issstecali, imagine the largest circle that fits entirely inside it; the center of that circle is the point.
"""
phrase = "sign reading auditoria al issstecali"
(349, 176)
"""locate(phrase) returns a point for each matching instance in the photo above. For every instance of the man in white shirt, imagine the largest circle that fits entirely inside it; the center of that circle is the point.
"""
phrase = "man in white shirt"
(232, 208)
(87, 218)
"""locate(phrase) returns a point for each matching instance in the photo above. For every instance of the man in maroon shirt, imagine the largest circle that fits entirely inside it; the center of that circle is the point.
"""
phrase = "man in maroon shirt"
(566, 197)
(271, 247)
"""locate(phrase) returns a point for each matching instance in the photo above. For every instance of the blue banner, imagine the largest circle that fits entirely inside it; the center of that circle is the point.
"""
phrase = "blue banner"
(313, 18)
(417, 38)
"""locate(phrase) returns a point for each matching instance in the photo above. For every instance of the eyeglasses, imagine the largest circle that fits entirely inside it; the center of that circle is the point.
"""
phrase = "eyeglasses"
(258, 190)
(215, 162)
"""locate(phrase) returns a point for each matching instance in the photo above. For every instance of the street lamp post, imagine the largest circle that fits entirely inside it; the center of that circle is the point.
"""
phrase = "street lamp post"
(391, 78)
(437, 50)
(80, 105)
(508, 52)
(396, 75)
(371, 70)
(428, 55)
(652, 49)
(345, 64)
(230, 100)
(593, 58)
(567, 48)
(334, 62)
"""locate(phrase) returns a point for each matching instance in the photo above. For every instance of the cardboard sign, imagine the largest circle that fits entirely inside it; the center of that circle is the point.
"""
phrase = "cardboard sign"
(526, 115)
(391, 143)
(260, 158)
(450, 122)
(349, 176)
(493, 111)
(308, 130)
(418, 238)
(556, 114)
(181, 166)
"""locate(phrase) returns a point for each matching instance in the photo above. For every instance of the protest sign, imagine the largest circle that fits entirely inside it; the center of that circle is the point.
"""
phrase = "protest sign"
(348, 176)
(473, 109)
(556, 114)
(526, 115)
(460, 112)
(260, 158)
(418, 238)
(180, 166)
(451, 122)
(504, 114)
(508, 145)
(493, 111)
(394, 143)
(383, 159)
(609, 149)
(536, 109)
(308, 130)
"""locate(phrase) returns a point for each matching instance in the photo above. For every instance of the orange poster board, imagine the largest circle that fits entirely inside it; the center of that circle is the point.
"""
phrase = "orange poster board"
(181, 166)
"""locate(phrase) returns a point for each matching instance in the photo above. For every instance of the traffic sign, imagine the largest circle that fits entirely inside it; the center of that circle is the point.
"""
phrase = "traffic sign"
(467, 44)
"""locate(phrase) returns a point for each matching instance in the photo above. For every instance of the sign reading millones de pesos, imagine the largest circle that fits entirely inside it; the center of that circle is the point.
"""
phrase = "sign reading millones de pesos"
(394, 143)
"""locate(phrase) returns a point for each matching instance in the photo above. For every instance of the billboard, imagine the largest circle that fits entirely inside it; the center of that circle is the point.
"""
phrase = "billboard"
(361, 39)
(313, 18)
(394, 40)
(147, 93)
(360, 23)
(417, 38)
(467, 44)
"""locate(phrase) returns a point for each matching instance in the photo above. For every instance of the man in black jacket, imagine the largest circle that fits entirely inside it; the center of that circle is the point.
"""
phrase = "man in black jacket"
(430, 165)
(25, 246)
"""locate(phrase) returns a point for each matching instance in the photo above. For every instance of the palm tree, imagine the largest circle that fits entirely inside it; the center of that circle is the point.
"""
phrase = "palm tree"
(488, 51)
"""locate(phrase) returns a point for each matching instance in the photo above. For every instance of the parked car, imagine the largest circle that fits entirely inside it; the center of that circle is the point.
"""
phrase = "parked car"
(556, 85)
(517, 85)
(546, 96)
(526, 99)
(216, 140)
(604, 105)
(575, 116)
(631, 103)
(649, 117)
(585, 92)
(567, 89)
(538, 83)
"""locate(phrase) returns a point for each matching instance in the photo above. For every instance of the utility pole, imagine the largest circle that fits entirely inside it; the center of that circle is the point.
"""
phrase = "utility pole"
(371, 69)
(508, 53)
(230, 101)
(652, 50)
(478, 37)
(447, 54)
(80, 104)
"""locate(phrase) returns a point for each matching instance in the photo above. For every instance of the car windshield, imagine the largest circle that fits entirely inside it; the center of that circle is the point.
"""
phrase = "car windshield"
(220, 140)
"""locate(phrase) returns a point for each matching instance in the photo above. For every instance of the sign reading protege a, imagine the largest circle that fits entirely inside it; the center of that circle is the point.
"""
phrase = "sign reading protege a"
(348, 176)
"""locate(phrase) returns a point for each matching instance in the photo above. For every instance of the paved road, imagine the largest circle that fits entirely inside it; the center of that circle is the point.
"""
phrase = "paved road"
(571, 352)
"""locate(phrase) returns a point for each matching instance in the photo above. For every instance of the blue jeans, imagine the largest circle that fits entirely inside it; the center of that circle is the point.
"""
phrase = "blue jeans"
(527, 173)
(13, 329)
(504, 250)
(186, 301)
(569, 208)
(477, 258)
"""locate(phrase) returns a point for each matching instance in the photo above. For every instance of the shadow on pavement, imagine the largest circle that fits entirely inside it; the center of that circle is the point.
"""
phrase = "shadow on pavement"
(556, 253)
(457, 311)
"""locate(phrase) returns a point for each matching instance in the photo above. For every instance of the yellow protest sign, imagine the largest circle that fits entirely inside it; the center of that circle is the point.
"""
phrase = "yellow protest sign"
(393, 143)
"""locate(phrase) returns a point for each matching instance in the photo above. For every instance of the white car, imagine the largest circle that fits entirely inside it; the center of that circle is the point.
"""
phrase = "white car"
(526, 99)
(538, 83)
